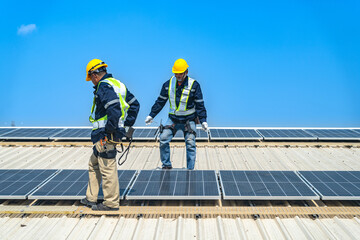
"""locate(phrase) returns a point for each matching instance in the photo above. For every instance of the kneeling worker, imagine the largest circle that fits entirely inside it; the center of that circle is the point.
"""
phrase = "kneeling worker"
(186, 106)
(115, 107)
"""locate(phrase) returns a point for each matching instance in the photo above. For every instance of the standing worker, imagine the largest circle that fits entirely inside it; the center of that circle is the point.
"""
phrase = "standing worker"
(115, 107)
(186, 107)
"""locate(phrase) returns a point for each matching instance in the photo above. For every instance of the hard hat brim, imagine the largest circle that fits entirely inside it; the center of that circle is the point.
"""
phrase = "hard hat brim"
(174, 71)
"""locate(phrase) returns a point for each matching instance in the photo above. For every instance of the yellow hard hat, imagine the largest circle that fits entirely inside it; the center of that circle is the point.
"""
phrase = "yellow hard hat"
(93, 65)
(180, 66)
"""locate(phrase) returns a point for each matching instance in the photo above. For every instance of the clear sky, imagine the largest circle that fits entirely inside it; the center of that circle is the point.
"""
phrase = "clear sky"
(259, 63)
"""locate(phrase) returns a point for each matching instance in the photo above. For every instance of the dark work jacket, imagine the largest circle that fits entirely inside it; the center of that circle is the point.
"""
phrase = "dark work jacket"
(106, 94)
(195, 99)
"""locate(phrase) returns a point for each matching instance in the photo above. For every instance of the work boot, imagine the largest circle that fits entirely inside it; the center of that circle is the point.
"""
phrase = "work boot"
(102, 207)
(167, 167)
(87, 202)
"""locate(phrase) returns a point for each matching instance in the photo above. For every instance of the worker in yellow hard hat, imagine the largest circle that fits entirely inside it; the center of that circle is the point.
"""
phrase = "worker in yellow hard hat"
(115, 109)
(186, 109)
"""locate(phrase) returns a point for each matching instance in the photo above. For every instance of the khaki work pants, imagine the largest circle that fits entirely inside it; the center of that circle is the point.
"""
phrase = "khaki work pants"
(105, 169)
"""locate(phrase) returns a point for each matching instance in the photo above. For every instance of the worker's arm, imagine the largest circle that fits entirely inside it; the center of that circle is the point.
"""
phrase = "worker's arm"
(133, 109)
(111, 103)
(161, 100)
(199, 103)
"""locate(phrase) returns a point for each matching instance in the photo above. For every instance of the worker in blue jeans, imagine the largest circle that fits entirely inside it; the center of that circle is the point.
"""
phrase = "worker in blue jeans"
(186, 108)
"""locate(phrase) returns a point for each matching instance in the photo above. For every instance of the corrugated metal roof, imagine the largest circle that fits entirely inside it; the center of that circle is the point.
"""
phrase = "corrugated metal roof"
(244, 156)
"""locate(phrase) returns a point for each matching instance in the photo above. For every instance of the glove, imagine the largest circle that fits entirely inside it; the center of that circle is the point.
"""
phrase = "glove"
(148, 120)
(205, 126)
(129, 131)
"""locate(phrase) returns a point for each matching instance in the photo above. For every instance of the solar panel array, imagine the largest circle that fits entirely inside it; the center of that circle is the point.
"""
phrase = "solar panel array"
(335, 185)
(148, 134)
(73, 134)
(175, 184)
(269, 185)
(72, 184)
(31, 133)
(334, 134)
(186, 184)
(288, 134)
(18, 184)
(234, 134)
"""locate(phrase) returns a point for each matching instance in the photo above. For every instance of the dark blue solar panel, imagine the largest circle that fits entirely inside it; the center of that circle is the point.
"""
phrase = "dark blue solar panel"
(335, 185)
(144, 133)
(72, 184)
(334, 134)
(18, 184)
(175, 184)
(73, 133)
(285, 134)
(234, 134)
(265, 185)
(6, 130)
(32, 133)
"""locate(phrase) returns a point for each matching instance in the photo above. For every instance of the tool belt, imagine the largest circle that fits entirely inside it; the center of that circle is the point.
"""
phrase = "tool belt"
(173, 129)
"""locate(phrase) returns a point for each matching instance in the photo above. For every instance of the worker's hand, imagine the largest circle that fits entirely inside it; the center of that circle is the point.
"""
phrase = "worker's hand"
(205, 126)
(129, 132)
(148, 120)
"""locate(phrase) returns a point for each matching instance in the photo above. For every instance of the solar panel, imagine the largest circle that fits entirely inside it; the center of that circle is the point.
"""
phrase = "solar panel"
(356, 130)
(73, 134)
(335, 185)
(285, 134)
(233, 134)
(6, 130)
(334, 134)
(175, 184)
(32, 133)
(72, 184)
(144, 133)
(200, 135)
(265, 185)
(18, 184)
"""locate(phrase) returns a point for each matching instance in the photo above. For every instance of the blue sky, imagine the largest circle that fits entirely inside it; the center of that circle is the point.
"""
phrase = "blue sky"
(259, 63)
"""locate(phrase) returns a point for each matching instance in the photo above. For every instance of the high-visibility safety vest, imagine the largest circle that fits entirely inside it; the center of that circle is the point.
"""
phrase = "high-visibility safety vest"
(182, 109)
(120, 90)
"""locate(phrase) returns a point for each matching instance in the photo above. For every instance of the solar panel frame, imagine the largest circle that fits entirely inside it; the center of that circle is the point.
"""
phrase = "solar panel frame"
(256, 181)
(82, 192)
(234, 134)
(334, 185)
(32, 133)
(285, 134)
(334, 134)
(21, 178)
(7, 130)
(68, 134)
(152, 184)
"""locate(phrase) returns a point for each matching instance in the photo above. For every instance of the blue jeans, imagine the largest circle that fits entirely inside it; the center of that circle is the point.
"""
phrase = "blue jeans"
(167, 135)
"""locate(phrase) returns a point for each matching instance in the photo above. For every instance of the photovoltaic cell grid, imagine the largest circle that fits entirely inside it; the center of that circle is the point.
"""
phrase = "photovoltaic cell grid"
(335, 185)
(144, 133)
(32, 133)
(261, 185)
(18, 184)
(72, 184)
(73, 133)
(334, 134)
(175, 184)
(200, 135)
(288, 134)
(234, 134)
(6, 130)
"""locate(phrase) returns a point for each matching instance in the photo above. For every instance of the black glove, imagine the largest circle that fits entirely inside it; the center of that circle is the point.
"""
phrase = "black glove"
(129, 132)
